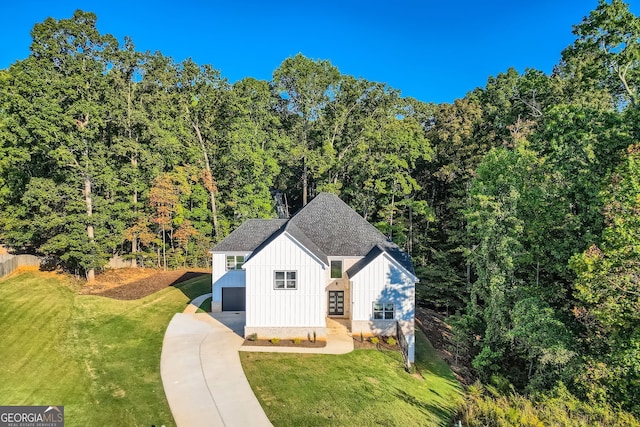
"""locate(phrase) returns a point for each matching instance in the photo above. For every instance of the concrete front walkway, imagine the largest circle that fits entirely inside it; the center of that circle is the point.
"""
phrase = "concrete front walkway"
(202, 375)
(201, 371)
(196, 303)
(339, 341)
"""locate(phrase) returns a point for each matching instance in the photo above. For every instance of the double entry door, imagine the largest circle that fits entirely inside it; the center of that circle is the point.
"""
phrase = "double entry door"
(336, 303)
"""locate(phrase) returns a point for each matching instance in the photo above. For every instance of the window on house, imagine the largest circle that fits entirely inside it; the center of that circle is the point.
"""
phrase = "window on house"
(383, 311)
(235, 262)
(336, 269)
(285, 280)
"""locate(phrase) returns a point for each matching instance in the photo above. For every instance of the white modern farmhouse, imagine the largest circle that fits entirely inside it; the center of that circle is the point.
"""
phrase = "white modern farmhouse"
(325, 261)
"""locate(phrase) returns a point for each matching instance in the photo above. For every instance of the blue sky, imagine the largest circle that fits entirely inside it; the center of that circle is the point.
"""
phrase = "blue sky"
(435, 51)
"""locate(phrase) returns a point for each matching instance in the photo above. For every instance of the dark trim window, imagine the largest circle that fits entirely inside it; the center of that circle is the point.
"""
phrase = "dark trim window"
(235, 262)
(336, 269)
(285, 280)
(383, 311)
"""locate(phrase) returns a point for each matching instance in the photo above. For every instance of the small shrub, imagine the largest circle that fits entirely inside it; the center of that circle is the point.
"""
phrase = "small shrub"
(314, 336)
(391, 341)
(253, 337)
(375, 340)
(275, 340)
(296, 341)
(361, 337)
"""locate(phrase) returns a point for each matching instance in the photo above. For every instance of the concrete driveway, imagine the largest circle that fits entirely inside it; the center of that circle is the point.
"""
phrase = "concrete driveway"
(201, 372)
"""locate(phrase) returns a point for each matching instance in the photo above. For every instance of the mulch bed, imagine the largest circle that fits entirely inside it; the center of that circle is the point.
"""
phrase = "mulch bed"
(285, 343)
(357, 344)
(130, 284)
(368, 345)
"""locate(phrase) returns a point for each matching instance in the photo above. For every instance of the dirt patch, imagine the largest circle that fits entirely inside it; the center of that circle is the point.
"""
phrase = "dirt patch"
(135, 283)
(285, 343)
(440, 336)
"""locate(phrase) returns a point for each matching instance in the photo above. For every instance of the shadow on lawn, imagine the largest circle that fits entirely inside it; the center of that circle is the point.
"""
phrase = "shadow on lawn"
(193, 289)
(443, 413)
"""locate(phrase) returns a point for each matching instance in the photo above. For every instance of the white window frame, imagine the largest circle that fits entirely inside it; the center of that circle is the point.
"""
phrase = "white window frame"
(234, 262)
(384, 310)
(288, 281)
(331, 268)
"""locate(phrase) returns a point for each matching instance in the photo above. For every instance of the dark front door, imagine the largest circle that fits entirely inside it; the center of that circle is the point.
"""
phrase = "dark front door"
(233, 299)
(336, 303)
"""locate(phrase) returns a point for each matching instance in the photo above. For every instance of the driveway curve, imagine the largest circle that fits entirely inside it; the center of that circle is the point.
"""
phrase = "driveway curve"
(202, 375)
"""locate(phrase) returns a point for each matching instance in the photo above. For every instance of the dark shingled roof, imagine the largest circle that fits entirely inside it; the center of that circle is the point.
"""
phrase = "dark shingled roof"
(373, 254)
(338, 230)
(251, 234)
(392, 249)
(326, 226)
(301, 237)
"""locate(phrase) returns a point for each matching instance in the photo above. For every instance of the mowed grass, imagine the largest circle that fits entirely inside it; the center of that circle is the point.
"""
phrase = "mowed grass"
(205, 307)
(362, 388)
(98, 357)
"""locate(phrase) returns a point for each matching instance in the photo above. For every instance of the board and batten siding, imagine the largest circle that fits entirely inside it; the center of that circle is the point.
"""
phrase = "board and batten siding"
(289, 310)
(223, 278)
(383, 280)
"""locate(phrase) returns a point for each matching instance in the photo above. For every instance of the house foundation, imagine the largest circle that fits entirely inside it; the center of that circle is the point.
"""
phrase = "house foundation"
(286, 333)
(373, 327)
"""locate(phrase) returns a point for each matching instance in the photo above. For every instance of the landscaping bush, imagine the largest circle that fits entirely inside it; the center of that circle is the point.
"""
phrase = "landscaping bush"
(391, 341)
(275, 340)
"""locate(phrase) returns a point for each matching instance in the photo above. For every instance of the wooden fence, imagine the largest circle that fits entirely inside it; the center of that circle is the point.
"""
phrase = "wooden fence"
(8, 263)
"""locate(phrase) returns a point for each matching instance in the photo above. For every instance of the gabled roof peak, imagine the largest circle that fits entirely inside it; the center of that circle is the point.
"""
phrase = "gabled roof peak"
(327, 226)
(251, 234)
(336, 228)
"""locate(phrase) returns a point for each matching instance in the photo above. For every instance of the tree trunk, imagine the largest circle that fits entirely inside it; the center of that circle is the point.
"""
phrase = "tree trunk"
(622, 74)
(305, 173)
(214, 213)
(393, 203)
(134, 240)
(212, 194)
(410, 243)
(91, 273)
(164, 250)
(134, 163)
(305, 182)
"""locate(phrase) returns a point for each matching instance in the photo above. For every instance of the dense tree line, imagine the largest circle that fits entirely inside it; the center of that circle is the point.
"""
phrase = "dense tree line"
(519, 203)
(107, 150)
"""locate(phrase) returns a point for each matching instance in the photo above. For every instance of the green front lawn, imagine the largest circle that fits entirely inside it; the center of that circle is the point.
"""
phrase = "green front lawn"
(205, 307)
(362, 388)
(98, 357)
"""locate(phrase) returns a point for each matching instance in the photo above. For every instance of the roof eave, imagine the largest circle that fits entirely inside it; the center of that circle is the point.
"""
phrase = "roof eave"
(394, 261)
(307, 250)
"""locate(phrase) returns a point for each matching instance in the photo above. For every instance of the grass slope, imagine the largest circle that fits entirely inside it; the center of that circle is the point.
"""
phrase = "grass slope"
(98, 357)
(365, 387)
